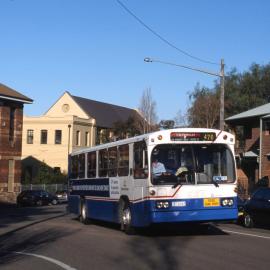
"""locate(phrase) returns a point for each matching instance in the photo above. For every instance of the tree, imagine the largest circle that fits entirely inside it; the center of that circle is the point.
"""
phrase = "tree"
(180, 119)
(243, 91)
(247, 90)
(204, 111)
(147, 109)
(129, 128)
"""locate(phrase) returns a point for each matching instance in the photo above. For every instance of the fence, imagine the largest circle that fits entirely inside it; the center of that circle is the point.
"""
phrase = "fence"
(48, 187)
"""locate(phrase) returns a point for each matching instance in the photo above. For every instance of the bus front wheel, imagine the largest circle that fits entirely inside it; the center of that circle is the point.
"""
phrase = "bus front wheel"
(126, 218)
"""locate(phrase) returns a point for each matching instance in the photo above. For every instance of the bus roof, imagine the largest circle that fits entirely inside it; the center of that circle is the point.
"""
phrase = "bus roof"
(179, 135)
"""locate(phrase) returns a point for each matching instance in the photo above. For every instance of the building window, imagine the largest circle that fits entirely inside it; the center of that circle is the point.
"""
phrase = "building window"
(58, 136)
(11, 124)
(43, 136)
(78, 133)
(86, 138)
(30, 136)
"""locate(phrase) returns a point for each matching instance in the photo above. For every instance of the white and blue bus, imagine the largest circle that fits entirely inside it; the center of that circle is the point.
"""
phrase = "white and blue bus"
(168, 176)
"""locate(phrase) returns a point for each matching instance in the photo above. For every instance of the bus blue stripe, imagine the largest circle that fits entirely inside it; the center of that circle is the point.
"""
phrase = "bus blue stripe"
(145, 212)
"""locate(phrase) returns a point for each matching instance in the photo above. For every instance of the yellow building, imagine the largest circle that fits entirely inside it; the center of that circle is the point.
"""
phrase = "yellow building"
(71, 123)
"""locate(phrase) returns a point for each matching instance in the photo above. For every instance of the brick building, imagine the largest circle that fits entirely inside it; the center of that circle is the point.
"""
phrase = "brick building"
(252, 130)
(11, 124)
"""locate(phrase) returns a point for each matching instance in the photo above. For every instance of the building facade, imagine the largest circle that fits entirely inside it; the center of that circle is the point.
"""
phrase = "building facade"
(11, 125)
(252, 130)
(70, 124)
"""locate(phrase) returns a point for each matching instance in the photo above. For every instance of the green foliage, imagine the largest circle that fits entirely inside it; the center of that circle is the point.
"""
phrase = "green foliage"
(204, 111)
(48, 175)
(126, 129)
(243, 91)
(247, 90)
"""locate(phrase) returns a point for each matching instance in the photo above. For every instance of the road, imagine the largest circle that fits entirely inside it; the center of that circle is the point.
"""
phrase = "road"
(48, 238)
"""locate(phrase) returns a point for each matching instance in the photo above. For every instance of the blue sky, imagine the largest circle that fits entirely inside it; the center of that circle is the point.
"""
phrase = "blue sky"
(95, 49)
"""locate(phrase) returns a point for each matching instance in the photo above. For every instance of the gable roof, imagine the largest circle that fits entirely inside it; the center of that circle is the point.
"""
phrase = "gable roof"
(105, 114)
(10, 94)
(255, 112)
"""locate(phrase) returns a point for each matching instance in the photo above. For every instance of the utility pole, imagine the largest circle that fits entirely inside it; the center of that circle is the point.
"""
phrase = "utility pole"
(221, 75)
(222, 83)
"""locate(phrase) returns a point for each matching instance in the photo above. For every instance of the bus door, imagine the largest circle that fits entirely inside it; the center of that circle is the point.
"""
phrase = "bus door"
(124, 175)
(140, 170)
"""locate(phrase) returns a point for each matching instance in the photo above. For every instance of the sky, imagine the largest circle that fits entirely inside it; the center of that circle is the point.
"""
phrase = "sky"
(96, 49)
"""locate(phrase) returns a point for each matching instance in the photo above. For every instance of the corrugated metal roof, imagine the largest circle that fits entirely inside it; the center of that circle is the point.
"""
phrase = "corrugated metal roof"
(105, 114)
(8, 93)
(258, 111)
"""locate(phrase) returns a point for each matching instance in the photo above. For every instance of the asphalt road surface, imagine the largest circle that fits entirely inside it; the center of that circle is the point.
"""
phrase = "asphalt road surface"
(47, 238)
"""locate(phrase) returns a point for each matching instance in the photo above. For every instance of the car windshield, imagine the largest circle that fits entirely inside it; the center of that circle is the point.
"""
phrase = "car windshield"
(192, 164)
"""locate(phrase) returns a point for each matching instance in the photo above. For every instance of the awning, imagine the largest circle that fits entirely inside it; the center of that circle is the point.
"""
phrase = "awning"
(250, 154)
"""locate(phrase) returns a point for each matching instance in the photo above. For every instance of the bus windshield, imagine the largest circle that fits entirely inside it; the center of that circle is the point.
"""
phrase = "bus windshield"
(192, 164)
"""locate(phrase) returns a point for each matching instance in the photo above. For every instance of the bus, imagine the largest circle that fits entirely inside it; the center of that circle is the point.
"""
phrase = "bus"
(168, 176)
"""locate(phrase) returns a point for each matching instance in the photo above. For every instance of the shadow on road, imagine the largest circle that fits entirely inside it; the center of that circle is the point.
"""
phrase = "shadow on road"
(163, 247)
(11, 214)
(159, 247)
(16, 233)
(27, 240)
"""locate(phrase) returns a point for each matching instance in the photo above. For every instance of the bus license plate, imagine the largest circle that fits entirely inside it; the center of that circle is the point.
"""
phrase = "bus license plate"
(209, 202)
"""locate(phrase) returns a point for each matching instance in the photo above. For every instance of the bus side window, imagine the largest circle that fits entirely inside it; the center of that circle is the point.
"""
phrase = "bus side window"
(74, 167)
(112, 161)
(91, 164)
(123, 160)
(140, 164)
(81, 167)
(103, 163)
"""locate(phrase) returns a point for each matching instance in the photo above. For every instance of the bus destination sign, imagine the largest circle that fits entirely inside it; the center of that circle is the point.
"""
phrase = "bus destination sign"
(193, 136)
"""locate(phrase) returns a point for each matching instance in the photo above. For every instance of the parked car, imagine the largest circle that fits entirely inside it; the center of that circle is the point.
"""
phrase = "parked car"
(36, 197)
(62, 195)
(257, 209)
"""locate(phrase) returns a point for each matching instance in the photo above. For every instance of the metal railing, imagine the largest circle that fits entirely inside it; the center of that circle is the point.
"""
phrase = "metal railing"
(48, 187)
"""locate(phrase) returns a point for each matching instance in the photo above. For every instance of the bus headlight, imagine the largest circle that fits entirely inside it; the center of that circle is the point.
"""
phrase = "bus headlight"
(162, 204)
(227, 202)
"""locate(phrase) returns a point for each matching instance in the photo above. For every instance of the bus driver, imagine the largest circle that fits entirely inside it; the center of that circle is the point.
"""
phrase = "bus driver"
(158, 167)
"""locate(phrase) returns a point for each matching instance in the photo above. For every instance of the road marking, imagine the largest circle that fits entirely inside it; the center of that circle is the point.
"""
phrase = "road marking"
(59, 263)
(247, 234)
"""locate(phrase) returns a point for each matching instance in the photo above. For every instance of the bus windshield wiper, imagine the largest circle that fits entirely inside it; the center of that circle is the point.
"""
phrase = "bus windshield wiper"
(176, 184)
(215, 183)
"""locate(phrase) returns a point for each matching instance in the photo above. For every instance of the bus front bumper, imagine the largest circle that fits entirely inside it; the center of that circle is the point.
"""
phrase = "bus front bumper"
(206, 215)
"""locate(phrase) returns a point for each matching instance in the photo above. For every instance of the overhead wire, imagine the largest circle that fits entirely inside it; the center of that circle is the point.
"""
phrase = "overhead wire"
(162, 38)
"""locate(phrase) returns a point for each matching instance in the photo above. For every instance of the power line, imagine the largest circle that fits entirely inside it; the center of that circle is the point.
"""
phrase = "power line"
(160, 37)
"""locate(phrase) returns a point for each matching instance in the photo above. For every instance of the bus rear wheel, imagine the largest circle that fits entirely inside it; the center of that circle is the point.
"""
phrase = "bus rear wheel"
(126, 218)
(83, 215)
